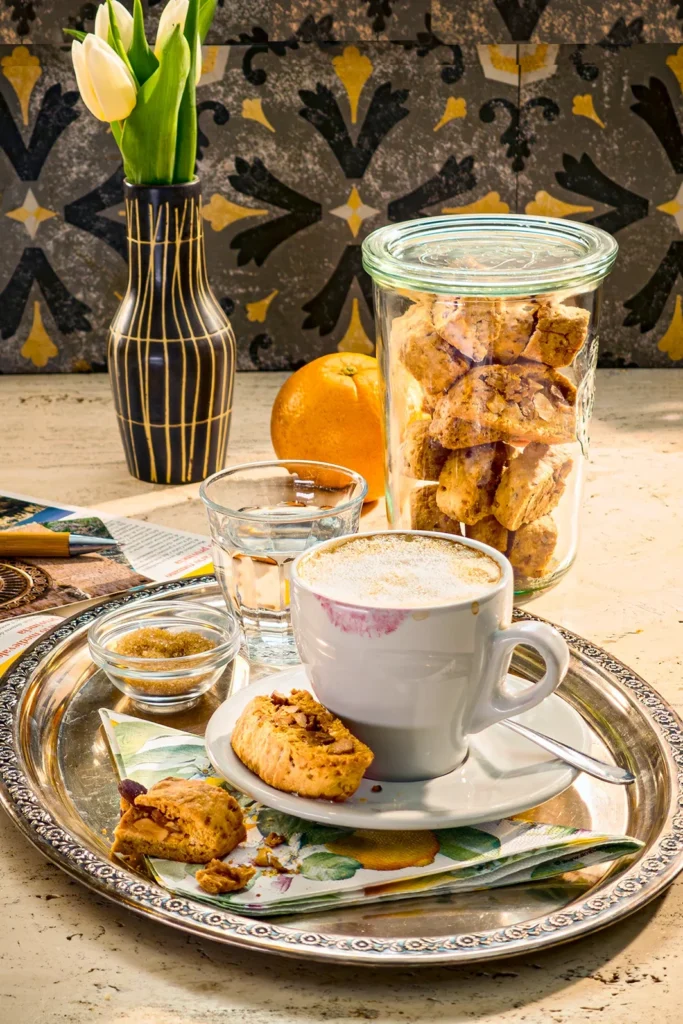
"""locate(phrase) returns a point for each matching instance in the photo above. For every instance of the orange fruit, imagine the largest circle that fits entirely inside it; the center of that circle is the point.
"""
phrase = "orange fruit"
(331, 411)
(387, 851)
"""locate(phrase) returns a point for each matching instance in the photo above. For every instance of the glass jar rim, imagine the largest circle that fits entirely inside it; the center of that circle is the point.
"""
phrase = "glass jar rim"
(416, 255)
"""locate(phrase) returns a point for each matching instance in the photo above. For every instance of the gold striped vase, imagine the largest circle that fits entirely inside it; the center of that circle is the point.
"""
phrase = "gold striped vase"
(171, 346)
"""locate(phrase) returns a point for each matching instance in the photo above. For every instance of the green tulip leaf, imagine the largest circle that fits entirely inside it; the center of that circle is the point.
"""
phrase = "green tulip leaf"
(186, 144)
(151, 130)
(207, 9)
(117, 132)
(116, 42)
(75, 33)
(325, 867)
(466, 843)
(141, 57)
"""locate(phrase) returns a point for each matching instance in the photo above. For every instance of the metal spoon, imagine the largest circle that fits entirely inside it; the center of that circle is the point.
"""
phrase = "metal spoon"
(585, 763)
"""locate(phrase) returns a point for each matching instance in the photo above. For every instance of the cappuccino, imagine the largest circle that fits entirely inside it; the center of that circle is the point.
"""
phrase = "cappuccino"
(397, 570)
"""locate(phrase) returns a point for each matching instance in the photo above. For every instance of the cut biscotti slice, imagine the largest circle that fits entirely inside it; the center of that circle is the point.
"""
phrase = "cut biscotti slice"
(468, 481)
(519, 317)
(489, 531)
(532, 484)
(180, 819)
(422, 458)
(295, 744)
(517, 403)
(532, 546)
(471, 326)
(434, 363)
(560, 333)
(425, 514)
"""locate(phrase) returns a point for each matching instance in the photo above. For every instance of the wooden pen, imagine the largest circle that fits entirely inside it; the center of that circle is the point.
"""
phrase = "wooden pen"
(49, 544)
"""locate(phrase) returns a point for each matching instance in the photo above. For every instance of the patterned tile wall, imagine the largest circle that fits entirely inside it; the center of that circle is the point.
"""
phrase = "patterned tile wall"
(320, 122)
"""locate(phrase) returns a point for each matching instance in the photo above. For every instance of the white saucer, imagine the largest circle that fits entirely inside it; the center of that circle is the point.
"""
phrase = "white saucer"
(503, 775)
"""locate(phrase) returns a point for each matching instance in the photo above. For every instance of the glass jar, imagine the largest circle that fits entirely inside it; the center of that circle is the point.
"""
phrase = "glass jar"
(487, 339)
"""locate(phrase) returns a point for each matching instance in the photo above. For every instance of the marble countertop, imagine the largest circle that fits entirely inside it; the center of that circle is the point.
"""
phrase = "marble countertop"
(67, 956)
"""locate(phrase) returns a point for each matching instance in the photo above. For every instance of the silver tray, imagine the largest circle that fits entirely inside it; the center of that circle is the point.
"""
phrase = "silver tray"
(58, 785)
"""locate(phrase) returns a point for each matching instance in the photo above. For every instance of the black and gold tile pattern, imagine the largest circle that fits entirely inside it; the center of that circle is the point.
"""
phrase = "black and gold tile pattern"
(320, 122)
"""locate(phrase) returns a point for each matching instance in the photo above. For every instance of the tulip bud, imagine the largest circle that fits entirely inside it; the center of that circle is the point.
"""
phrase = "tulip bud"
(175, 13)
(123, 19)
(106, 85)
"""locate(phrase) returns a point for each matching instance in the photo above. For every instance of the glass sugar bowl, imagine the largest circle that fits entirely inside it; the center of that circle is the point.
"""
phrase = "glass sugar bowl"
(164, 655)
(487, 332)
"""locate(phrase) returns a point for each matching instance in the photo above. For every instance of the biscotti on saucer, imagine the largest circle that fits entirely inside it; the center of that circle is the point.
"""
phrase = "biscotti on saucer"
(180, 819)
(295, 744)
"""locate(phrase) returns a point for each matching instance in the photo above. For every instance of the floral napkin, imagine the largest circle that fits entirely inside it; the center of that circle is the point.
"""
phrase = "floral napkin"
(322, 865)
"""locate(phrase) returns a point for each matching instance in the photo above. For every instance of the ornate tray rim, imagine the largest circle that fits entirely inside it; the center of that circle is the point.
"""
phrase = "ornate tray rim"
(642, 882)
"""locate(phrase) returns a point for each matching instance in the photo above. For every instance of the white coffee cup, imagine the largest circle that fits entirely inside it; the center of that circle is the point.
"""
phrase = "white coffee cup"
(414, 682)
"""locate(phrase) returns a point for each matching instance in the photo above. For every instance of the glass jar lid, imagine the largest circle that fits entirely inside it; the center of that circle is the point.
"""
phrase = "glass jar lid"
(487, 254)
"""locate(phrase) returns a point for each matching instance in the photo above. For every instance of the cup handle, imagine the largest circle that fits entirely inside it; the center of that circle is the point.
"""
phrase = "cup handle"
(495, 700)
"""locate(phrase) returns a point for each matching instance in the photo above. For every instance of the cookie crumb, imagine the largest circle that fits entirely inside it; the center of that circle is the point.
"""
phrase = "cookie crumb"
(218, 877)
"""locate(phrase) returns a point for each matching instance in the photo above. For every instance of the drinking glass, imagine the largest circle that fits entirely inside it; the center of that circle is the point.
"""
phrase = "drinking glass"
(262, 515)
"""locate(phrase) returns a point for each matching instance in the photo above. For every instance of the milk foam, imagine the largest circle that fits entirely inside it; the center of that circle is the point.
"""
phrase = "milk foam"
(399, 571)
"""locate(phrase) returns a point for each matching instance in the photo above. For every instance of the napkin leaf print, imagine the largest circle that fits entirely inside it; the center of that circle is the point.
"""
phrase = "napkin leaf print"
(183, 754)
(466, 843)
(174, 869)
(555, 867)
(569, 861)
(311, 833)
(132, 736)
(324, 867)
(320, 835)
(283, 824)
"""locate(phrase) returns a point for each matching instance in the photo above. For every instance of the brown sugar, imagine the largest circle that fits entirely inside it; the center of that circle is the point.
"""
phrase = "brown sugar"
(156, 642)
(160, 649)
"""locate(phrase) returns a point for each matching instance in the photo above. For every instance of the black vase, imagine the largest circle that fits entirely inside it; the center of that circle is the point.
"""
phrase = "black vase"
(171, 346)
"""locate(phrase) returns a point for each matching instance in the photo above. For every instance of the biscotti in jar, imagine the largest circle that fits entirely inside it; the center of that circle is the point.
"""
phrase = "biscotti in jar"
(487, 343)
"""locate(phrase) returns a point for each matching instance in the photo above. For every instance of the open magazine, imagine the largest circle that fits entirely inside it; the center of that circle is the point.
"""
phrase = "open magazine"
(31, 588)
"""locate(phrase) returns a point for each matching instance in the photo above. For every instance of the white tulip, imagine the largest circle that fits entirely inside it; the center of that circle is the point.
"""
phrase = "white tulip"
(124, 20)
(106, 85)
(175, 13)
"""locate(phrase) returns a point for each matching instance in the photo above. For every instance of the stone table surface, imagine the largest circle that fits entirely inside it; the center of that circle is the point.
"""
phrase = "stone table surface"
(68, 956)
